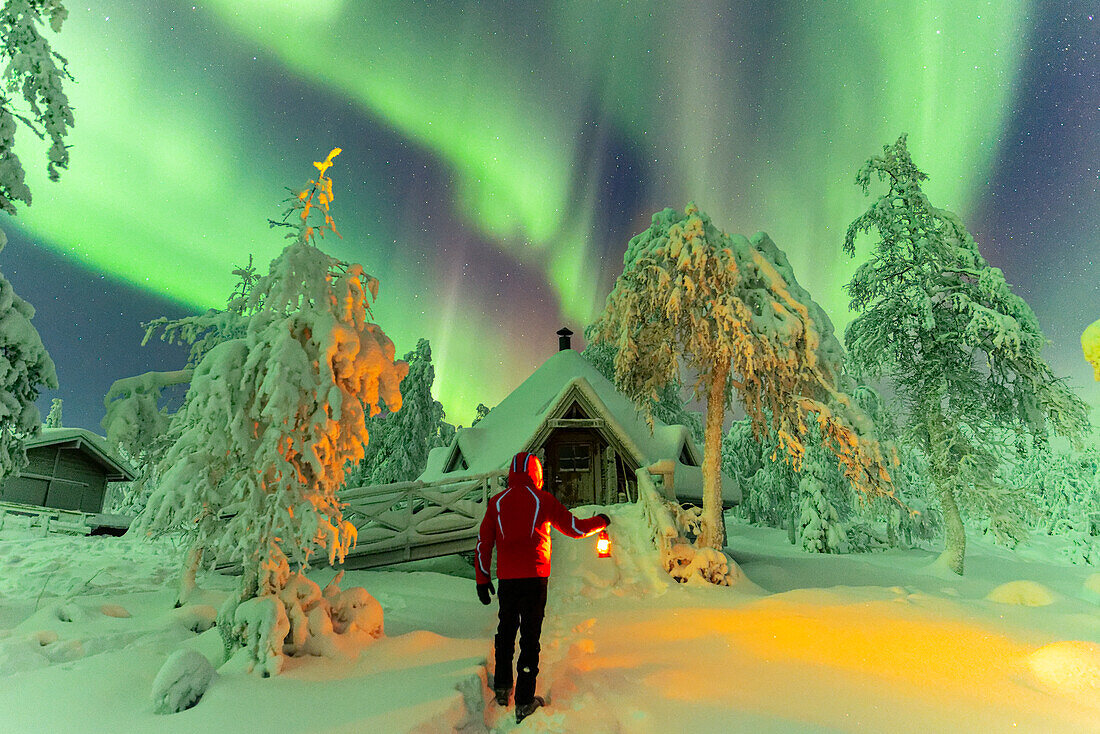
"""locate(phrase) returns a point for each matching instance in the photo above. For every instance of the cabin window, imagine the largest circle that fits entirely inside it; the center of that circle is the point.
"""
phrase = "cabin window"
(574, 457)
(685, 457)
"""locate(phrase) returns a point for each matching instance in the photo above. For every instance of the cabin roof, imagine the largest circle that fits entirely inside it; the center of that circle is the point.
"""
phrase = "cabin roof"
(92, 444)
(521, 423)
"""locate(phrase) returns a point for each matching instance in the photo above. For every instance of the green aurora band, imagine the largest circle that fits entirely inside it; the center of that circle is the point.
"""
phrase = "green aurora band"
(501, 100)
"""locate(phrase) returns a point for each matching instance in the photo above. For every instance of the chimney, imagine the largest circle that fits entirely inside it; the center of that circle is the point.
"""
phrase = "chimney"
(563, 339)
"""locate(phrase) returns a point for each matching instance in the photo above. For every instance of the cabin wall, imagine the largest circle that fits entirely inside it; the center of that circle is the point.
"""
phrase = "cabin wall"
(58, 477)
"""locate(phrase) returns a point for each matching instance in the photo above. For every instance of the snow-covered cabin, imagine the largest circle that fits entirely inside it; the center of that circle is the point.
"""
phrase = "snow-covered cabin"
(589, 435)
(67, 469)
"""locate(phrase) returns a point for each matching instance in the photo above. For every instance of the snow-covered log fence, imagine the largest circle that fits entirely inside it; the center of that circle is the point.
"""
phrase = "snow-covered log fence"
(39, 521)
(408, 521)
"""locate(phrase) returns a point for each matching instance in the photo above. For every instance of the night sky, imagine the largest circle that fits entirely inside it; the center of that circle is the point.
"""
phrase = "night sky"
(498, 156)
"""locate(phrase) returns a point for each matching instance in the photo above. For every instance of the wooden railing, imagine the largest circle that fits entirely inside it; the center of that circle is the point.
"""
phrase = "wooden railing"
(409, 521)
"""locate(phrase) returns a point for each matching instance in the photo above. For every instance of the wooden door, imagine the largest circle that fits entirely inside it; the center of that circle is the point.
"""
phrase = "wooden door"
(573, 459)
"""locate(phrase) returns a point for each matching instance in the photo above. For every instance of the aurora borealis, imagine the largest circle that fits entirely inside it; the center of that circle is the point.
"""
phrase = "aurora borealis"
(498, 156)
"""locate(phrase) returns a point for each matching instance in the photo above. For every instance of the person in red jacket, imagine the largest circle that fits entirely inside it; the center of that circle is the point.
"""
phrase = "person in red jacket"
(518, 521)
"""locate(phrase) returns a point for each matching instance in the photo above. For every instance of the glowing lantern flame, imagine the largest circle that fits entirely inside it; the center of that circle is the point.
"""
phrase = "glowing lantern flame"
(603, 545)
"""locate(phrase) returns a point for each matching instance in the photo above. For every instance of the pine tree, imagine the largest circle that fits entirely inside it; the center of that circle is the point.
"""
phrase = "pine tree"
(730, 310)
(270, 424)
(961, 350)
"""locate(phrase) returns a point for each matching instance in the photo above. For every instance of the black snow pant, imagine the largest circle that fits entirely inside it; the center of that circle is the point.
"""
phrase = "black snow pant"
(522, 607)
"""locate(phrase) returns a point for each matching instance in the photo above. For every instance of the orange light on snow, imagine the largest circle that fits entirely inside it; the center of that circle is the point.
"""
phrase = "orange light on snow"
(603, 545)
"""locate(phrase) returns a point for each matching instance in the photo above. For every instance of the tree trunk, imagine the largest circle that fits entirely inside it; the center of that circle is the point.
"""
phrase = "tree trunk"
(712, 531)
(943, 470)
(954, 551)
(190, 571)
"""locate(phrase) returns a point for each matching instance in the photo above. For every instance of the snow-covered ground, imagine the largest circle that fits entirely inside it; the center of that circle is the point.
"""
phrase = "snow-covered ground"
(883, 642)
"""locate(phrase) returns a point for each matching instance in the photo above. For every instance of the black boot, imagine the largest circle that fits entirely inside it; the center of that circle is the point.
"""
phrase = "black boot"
(526, 709)
(502, 695)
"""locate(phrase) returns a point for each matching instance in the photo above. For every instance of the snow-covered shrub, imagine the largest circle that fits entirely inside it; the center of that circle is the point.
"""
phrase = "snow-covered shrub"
(181, 682)
(1064, 485)
(357, 613)
(301, 620)
(270, 424)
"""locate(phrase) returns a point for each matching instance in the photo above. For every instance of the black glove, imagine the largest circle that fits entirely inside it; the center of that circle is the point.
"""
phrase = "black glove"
(605, 518)
(484, 590)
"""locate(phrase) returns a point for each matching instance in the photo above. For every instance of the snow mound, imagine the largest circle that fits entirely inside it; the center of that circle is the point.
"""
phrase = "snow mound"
(1022, 593)
(1069, 666)
(196, 617)
(1092, 588)
(70, 612)
(114, 610)
(181, 682)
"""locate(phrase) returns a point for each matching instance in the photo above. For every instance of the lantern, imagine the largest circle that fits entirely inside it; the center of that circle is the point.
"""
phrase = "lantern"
(603, 545)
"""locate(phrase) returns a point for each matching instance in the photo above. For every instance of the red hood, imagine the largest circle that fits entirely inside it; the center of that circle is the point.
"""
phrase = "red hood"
(525, 471)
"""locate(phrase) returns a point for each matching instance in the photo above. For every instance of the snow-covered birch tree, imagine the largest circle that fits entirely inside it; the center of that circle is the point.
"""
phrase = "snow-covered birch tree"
(962, 351)
(267, 430)
(730, 312)
(32, 94)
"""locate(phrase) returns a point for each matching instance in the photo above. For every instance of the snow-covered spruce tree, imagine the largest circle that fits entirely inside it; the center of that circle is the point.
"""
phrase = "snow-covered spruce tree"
(401, 439)
(33, 94)
(262, 441)
(668, 407)
(731, 312)
(961, 350)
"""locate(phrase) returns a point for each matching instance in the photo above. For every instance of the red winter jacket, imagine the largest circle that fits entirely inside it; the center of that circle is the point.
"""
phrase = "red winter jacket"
(518, 522)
